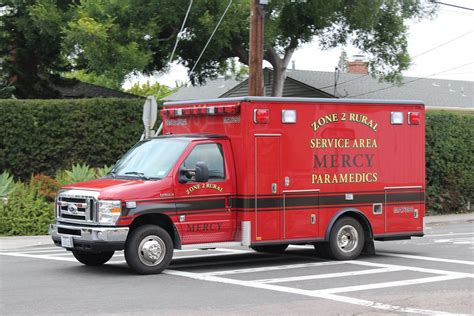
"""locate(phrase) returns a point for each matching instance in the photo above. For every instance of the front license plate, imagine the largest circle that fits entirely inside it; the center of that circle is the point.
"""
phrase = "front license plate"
(66, 242)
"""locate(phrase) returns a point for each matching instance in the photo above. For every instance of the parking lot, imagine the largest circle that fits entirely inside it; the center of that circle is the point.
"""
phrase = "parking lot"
(433, 275)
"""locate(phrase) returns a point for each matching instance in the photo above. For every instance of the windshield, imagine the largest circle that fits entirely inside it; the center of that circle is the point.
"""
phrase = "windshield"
(150, 159)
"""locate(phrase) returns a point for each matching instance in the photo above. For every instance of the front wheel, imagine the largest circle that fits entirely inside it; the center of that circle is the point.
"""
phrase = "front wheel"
(346, 240)
(91, 258)
(149, 249)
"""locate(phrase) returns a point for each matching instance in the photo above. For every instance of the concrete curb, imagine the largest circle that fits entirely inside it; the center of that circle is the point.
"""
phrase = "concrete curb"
(16, 242)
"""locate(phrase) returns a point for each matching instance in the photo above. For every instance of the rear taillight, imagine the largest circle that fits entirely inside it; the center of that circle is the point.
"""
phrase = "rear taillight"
(261, 116)
(414, 118)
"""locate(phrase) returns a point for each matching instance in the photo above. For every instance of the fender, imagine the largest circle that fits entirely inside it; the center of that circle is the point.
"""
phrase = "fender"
(359, 215)
(157, 214)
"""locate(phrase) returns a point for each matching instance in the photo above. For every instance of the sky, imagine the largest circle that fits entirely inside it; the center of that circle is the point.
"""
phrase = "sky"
(452, 29)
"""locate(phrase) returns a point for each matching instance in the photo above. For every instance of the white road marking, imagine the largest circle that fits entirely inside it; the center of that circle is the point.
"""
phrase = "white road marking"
(337, 298)
(471, 263)
(449, 234)
(274, 268)
(411, 268)
(330, 275)
(37, 256)
(383, 285)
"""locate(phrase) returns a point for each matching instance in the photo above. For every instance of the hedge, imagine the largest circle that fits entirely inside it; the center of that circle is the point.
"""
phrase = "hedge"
(43, 136)
(449, 161)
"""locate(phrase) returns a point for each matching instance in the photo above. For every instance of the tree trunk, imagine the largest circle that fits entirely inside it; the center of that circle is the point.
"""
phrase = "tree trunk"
(279, 68)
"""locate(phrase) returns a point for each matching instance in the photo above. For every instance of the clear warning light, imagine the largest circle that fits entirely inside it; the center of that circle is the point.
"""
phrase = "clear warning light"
(288, 116)
(396, 118)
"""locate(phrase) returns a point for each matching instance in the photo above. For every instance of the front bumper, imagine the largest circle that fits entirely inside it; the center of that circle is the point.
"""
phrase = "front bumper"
(93, 239)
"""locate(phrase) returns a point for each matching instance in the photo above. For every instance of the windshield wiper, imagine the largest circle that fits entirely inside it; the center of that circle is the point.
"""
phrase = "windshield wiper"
(140, 174)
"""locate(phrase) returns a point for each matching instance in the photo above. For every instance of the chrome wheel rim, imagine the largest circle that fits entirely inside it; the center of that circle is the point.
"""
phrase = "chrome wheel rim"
(347, 238)
(151, 250)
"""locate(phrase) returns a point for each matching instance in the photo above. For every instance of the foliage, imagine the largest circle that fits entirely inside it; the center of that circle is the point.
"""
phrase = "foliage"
(43, 136)
(102, 172)
(80, 173)
(47, 186)
(158, 90)
(6, 184)
(31, 45)
(449, 161)
(95, 79)
(26, 212)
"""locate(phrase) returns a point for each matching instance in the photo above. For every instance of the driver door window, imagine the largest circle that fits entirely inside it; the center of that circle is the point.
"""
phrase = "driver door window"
(212, 155)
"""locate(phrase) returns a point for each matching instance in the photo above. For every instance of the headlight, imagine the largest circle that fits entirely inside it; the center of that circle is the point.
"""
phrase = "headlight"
(109, 212)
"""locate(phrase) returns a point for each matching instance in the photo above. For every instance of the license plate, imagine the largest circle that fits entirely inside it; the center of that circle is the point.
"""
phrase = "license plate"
(66, 242)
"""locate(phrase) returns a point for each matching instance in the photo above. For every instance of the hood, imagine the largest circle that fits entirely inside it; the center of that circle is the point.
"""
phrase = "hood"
(126, 189)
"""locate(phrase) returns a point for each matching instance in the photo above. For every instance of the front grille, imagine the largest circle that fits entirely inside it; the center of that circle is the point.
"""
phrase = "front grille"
(76, 209)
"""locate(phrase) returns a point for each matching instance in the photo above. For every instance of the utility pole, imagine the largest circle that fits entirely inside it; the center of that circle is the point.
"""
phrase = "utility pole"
(256, 48)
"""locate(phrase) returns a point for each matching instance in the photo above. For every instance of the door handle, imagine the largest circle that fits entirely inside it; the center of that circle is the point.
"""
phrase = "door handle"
(274, 188)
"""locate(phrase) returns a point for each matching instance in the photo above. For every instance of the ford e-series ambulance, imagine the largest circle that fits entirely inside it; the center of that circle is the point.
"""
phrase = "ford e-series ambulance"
(259, 172)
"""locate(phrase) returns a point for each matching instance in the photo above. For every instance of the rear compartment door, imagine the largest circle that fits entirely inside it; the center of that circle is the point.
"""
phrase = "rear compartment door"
(404, 209)
(268, 199)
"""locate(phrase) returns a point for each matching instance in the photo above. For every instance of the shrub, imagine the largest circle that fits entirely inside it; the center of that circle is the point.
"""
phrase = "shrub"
(80, 173)
(449, 161)
(26, 212)
(43, 136)
(6, 185)
(47, 186)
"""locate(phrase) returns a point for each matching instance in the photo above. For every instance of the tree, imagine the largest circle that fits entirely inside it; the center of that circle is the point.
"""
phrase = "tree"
(158, 90)
(376, 27)
(30, 45)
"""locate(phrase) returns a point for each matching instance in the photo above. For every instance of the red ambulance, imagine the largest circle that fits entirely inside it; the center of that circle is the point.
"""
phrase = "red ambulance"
(255, 171)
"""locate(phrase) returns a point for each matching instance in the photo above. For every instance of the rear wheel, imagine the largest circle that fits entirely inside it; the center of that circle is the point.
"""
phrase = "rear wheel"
(149, 249)
(346, 239)
(270, 248)
(91, 258)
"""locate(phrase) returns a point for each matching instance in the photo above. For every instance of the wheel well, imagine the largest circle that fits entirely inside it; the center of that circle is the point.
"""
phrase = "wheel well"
(357, 215)
(160, 220)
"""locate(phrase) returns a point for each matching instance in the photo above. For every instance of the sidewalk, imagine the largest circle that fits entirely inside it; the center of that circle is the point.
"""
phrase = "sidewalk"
(7, 243)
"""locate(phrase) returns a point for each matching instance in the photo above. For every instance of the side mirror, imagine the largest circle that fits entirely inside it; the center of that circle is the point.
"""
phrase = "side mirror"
(202, 172)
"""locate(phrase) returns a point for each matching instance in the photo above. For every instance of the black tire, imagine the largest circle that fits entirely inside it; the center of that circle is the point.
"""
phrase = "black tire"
(351, 239)
(270, 248)
(149, 249)
(92, 258)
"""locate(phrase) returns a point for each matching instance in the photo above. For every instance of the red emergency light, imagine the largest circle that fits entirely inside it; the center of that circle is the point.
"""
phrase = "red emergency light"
(414, 118)
(201, 110)
(261, 116)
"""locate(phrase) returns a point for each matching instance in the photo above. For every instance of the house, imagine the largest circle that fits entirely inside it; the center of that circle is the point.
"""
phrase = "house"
(356, 84)
(75, 89)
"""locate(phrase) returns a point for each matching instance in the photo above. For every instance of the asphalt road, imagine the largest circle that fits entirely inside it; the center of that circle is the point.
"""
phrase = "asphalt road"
(432, 275)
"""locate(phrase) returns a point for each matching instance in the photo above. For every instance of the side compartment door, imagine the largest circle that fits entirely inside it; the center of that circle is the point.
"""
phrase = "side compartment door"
(268, 199)
(203, 208)
(404, 209)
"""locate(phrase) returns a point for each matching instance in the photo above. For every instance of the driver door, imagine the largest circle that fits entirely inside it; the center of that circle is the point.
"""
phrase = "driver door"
(204, 211)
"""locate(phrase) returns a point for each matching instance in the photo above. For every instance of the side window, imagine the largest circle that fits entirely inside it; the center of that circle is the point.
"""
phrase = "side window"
(212, 155)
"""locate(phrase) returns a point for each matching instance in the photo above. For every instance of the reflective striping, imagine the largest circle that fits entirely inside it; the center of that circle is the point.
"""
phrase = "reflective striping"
(330, 275)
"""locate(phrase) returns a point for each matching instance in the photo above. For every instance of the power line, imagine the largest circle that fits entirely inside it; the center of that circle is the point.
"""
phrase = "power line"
(443, 44)
(212, 35)
(422, 53)
(453, 5)
(180, 31)
(411, 81)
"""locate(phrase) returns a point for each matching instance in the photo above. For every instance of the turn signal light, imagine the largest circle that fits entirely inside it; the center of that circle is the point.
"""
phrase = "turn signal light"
(414, 118)
(261, 116)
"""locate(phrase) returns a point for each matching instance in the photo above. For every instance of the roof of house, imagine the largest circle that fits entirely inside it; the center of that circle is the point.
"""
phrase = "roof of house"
(78, 89)
(438, 93)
